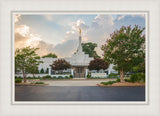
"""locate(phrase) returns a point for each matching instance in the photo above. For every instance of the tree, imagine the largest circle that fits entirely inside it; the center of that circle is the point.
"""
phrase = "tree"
(33, 69)
(125, 48)
(98, 64)
(47, 70)
(42, 71)
(51, 55)
(60, 64)
(26, 59)
(139, 68)
(88, 48)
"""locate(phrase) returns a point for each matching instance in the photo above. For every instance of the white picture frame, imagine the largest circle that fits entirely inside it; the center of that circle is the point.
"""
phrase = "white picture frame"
(8, 107)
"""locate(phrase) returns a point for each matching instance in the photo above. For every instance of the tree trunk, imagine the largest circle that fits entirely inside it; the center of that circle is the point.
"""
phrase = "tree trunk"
(122, 75)
(24, 76)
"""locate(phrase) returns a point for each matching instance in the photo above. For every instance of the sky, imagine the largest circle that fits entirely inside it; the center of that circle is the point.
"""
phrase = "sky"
(59, 33)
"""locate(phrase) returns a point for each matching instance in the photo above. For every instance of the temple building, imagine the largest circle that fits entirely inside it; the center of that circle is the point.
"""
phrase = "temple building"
(79, 62)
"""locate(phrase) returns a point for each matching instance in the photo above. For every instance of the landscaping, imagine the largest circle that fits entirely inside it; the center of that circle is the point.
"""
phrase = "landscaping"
(19, 82)
(137, 79)
(54, 77)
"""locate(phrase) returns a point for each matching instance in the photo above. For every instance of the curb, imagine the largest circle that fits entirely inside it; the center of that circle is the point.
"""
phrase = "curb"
(101, 85)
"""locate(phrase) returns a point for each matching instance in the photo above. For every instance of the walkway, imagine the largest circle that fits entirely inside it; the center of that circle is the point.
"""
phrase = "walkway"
(75, 82)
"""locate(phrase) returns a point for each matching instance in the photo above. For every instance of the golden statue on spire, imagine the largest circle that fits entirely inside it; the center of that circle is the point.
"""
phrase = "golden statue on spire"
(79, 31)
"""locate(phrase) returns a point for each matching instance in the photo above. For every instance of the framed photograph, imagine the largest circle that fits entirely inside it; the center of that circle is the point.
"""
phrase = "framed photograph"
(79, 58)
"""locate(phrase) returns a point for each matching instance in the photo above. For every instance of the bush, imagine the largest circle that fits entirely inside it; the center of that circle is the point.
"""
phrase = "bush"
(38, 77)
(127, 80)
(18, 77)
(66, 77)
(112, 75)
(71, 76)
(88, 76)
(137, 77)
(39, 82)
(118, 80)
(46, 77)
(18, 80)
(42, 71)
(54, 77)
(108, 83)
(60, 77)
(29, 77)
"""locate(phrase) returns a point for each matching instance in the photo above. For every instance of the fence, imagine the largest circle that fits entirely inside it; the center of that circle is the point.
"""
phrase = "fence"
(41, 75)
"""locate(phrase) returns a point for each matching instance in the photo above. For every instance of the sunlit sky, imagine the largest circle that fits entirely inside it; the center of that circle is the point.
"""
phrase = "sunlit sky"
(59, 33)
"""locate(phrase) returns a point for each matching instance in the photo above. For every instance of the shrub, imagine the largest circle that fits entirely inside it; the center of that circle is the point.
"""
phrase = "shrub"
(71, 76)
(46, 77)
(141, 77)
(19, 77)
(18, 80)
(60, 77)
(39, 77)
(88, 76)
(39, 82)
(54, 77)
(66, 77)
(134, 78)
(108, 83)
(29, 77)
(137, 77)
(127, 80)
(118, 80)
(112, 75)
(42, 71)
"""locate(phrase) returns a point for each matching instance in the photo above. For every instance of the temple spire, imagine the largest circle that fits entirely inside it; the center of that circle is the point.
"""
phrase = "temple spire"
(79, 31)
(79, 50)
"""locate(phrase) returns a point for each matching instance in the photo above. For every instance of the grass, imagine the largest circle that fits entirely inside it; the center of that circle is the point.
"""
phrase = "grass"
(39, 82)
(108, 83)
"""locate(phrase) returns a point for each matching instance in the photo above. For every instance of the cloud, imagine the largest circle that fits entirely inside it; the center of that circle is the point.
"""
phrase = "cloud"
(59, 19)
(98, 32)
(67, 48)
(44, 48)
(17, 17)
(71, 35)
(139, 15)
(24, 37)
(121, 17)
(79, 24)
(22, 29)
(49, 17)
(130, 20)
(100, 29)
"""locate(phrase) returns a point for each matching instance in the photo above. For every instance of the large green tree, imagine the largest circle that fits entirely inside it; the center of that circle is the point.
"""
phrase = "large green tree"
(88, 48)
(52, 55)
(26, 60)
(125, 48)
(33, 69)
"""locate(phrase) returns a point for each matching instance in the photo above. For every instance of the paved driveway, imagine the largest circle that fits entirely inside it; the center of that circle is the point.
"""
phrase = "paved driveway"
(79, 93)
(75, 82)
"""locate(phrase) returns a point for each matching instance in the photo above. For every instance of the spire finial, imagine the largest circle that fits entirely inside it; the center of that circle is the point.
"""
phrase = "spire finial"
(79, 31)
